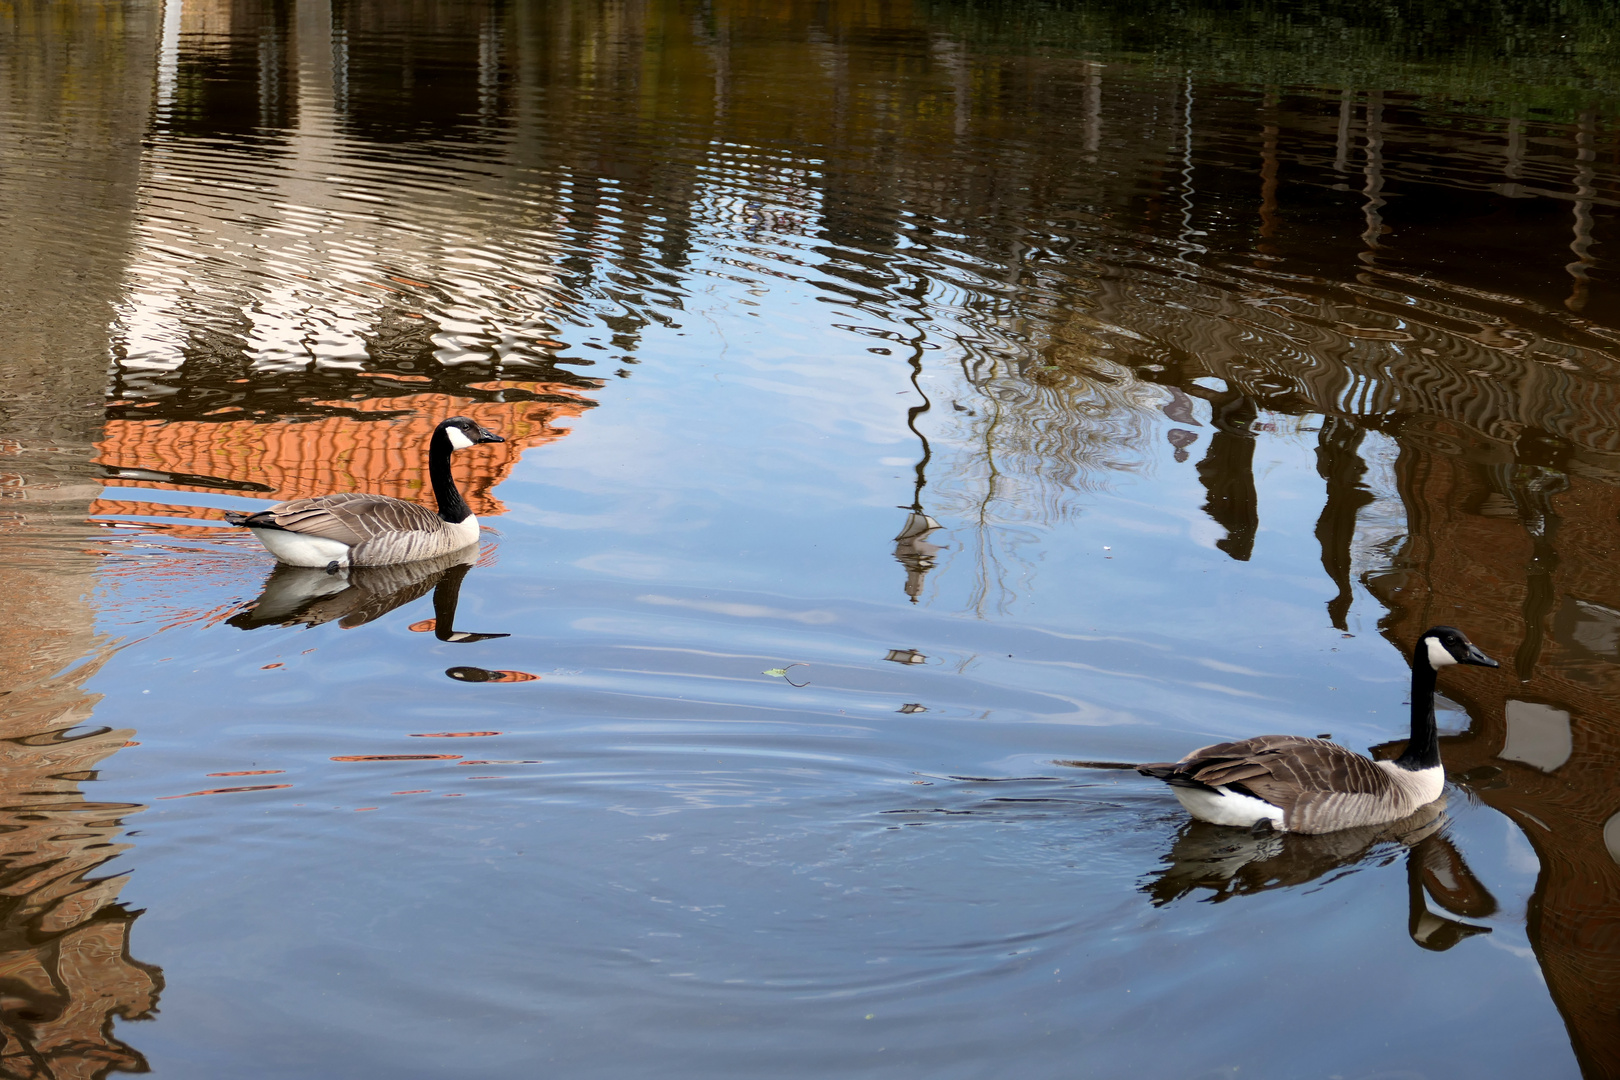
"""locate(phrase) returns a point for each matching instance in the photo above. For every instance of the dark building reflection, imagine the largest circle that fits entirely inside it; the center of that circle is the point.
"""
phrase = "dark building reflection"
(1500, 496)
(1510, 504)
(423, 72)
(235, 72)
(1536, 474)
(1541, 748)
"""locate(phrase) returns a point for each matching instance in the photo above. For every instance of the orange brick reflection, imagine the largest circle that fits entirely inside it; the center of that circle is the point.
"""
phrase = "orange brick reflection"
(298, 459)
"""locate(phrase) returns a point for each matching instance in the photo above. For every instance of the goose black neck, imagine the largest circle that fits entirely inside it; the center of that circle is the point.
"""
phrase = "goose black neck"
(452, 507)
(1423, 750)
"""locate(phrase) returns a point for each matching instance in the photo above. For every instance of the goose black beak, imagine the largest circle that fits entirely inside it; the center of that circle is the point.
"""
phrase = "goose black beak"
(485, 435)
(1476, 657)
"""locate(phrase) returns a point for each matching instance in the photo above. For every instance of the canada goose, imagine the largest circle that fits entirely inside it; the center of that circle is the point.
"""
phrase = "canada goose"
(1314, 786)
(356, 529)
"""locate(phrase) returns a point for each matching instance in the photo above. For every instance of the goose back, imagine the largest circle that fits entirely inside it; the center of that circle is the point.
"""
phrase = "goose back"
(1317, 785)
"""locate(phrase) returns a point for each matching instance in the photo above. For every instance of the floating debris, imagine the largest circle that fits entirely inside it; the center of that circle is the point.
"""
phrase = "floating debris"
(782, 673)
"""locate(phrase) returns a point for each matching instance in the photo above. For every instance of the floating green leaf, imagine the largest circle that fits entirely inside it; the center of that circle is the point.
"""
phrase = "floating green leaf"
(776, 673)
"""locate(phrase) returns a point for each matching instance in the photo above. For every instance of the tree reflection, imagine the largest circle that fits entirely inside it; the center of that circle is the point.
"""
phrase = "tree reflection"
(1540, 749)
(912, 548)
(1227, 473)
(1341, 467)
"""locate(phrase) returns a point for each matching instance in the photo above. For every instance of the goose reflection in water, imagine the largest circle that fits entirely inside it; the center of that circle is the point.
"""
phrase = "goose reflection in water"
(299, 595)
(1229, 863)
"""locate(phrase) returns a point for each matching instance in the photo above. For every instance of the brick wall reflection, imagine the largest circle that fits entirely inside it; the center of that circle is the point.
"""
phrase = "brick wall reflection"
(296, 459)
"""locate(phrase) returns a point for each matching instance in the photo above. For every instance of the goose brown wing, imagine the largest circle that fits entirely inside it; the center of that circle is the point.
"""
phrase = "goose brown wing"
(351, 518)
(1285, 770)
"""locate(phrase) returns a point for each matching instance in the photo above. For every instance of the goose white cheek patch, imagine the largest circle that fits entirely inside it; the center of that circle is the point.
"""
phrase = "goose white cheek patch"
(458, 438)
(1438, 656)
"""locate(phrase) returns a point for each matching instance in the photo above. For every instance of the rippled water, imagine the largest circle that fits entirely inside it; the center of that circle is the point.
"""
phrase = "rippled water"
(906, 406)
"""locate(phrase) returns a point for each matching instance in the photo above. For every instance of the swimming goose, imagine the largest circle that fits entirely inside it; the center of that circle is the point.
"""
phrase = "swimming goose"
(356, 529)
(1314, 786)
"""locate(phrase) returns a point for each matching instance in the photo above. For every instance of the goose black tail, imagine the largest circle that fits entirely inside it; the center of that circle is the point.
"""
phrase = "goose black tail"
(251, 521)
(1171, 772)
(1094, 764)
(1168, 771)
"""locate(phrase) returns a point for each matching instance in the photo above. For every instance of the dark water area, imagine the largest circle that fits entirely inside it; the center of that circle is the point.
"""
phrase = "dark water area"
(905, 405)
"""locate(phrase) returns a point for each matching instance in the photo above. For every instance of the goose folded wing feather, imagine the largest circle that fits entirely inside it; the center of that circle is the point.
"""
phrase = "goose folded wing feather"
(354, 518)
(1307, 772)
(1221, 767)
(1316, 765)
(1281, 768)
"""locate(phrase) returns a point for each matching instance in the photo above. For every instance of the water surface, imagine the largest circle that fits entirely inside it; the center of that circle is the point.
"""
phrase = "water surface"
(903, 404)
